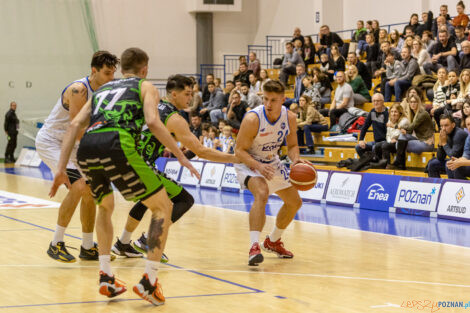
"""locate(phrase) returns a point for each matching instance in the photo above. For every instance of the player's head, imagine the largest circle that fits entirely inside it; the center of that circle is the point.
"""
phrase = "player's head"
(134, 61)
(13, 105)
(103, 66)
(273, 98)
(179, 90)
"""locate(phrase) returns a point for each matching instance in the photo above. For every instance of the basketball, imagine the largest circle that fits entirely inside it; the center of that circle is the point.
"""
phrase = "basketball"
(303, 176)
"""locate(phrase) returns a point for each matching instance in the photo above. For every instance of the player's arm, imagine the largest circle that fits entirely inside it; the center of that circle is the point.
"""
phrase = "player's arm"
(246, 135)
(78, 125)
(291, 139)
(150, 99)
(177, 125)
(75, 98)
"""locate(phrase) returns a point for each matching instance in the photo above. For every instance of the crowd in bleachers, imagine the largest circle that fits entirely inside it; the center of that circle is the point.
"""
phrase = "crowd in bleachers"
(418, 82)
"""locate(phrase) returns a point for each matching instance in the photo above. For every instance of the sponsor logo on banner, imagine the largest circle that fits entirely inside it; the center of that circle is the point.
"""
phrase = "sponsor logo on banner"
(377, 191)
(316, 193)
(417, 195)
(10, 200)
(212, 175)
(229, 179)
(172, 169)
(186, 177)
(453, 201)
(343, 188)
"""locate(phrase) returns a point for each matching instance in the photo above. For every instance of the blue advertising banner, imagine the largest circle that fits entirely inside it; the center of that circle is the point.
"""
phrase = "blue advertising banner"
(378, 191)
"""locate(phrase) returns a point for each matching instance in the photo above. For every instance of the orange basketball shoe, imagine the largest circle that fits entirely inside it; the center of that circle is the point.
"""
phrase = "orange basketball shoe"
(153, 294)
(276, 247)
(109, 287)
(255, 255)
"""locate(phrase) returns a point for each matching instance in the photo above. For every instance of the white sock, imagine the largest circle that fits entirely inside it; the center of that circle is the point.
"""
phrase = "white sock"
(254, 237)
(151, 268)
(105, 264)
(276, 234)
(125, 237)
(58, 234)
(87, 240)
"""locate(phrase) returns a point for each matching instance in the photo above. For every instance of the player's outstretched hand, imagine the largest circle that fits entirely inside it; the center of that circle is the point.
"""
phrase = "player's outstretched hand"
(59, 179)
(267, 170)
(186, 163)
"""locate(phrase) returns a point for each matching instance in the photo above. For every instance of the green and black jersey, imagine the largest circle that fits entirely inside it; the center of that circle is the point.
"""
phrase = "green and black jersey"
(118, 104)
(150, 147)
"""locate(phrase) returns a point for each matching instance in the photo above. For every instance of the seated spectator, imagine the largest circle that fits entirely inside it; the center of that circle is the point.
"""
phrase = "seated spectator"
(385, 49)
(243, 73)
(361, 93)
(359, 37)
(441, 23)
(298, 35)
(439, 96)
(461, 167)
(263, 79)
(427, 24)
(298, 48)
(372, 53)
(254, 66)
(327, 67)
(361, 68)
(195, 127)
(465, 56)
(408, 33)
(394, 38)
(413, 23)
(237, 110)
(461, 19)
(221, 125)
(299, 88)
(309, 120)
(238, 84)
(312, 90)
(205, 93)
(328, 38)
(403, 82)
(459, 38)
(463, 114)
(309, 51)
(229, 86)
(383, 36)
(464, 79)
(375, 30)
(226, 143)
(216, 101)
(428, 41)
(344, 98)
(420, 54)
(452, 88)
(255, 84)
(216, 115)
(339, 64)
(291, 59)
(450, 145)
(412, 91)
(393, 69)
(396, 121)
(325, 88)
(251, 98)
(378, 118)
(418, 137)
(218, 83)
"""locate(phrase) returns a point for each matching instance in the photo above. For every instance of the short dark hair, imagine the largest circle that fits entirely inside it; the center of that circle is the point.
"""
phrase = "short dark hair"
(195, 114)
(289, 44)
(210, 74)
(229, 82)
(245, 85)
(102, 58)
(460, 27)
(274, 86)
(178, 82)
(133, 60)
(211, 83)
(244, 63)
(447, 117)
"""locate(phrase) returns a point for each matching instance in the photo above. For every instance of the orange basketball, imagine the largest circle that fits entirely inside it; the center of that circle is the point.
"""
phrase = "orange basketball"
(303, 176)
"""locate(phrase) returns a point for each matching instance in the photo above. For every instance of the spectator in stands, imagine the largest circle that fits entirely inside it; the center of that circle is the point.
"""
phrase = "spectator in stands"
(378, 118)
(393, 69)
(344, 98)
(298, 48)
(403, 82)
(396, 121)
(195, 105)
(385, 49)
(427, 23)
(309, 120)
(441, 24)
(263, 78)
(312, 90)
(216, 101)
(254, 66)
(464, 79)
(326, 66)
(299, 88)
(464, 113)
(195, 127)
(372, 54)
(359, 37)
(413, 23)
(298, 36)
(309, 51)
(229, 86)
(328, 38)
(361, 93)
(412, 91)
(251, 98)
(205, 93)
(439, 97)
(461, 19)
(218, 83)
(243, 73)
(459, 37)
(238, 84)
(443, 11)
(339, 64)
(236, 110)
(291, 59)
(427, 40)
(465, 56)
(394, 38)
(450, 145)
(420, 54)
(361, 68)
(218, 114)
(418, 137)
(383, 36)
(407, 35)
(461, 167)
(255, 84)
(325, 88)
(452, 89)
(376, 30)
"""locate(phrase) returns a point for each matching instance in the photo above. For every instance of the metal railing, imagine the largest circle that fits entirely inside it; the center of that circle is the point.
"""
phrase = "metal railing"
(217, 69)
(231, 64)
(263, 53)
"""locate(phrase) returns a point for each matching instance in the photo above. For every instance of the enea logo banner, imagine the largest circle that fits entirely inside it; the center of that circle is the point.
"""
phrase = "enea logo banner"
(454, 201)
(378, 191)
(417, 195)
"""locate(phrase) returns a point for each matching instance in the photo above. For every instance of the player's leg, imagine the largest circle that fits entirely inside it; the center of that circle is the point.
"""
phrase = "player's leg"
(123, 245)
(88, 249)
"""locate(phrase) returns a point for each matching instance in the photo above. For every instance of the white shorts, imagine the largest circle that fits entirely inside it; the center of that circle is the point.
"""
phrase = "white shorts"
(279, 181)
(48, 150)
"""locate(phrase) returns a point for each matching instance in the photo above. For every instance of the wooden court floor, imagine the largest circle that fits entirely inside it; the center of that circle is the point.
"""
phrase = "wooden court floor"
(334, 269)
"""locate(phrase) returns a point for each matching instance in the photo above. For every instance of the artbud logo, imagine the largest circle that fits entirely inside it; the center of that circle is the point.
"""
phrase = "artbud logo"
(377, 192)
(414, 196)
(460, 195)
(457, 208)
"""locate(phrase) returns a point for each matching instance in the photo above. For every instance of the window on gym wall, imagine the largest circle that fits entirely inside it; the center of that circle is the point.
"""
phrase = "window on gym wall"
(219, 2)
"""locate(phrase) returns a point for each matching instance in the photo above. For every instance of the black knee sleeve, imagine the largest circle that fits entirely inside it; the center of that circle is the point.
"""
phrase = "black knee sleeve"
(181, 204)
(138, 210)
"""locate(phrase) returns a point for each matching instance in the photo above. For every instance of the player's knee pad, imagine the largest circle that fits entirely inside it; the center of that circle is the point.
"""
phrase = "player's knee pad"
(138, 210)
(181, 204)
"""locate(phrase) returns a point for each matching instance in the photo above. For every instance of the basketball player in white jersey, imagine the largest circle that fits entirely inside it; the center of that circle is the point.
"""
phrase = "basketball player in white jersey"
(262, 132)
(48, 145)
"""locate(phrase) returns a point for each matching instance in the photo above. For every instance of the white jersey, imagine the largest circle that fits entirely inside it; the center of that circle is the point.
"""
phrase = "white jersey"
(270, 136)
(58, 121)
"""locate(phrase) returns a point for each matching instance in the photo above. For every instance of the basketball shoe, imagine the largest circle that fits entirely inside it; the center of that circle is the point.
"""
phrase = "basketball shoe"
(255, 255)
(109, 287)
(92, 253)
(153, 294)
(276, 247)
(141, 246)
(125, 249)
(59, 252)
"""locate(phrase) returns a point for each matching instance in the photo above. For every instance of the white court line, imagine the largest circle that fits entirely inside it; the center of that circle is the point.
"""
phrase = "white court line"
(253, 272)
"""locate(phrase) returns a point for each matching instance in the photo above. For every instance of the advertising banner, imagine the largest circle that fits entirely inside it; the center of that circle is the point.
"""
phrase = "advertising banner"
(186, 178)
(378, 191)
(343, 188)
(317, 192)
(229, 179)
(454, 200)
(212, 175)
(417, 195)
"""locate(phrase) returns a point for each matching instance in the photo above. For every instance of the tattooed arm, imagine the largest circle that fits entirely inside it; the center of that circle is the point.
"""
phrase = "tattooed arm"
(75, 97)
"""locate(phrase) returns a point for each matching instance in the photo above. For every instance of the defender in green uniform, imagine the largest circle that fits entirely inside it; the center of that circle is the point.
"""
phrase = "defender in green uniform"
(179, 93)
(107, 154)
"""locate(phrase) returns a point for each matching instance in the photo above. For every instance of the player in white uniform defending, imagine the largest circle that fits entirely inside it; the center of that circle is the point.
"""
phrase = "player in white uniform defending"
(261, 134)
(48, 145)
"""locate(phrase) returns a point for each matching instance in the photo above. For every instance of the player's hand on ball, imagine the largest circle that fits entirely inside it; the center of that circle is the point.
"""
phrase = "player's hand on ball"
(59, 179)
